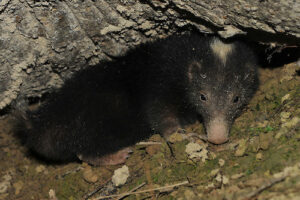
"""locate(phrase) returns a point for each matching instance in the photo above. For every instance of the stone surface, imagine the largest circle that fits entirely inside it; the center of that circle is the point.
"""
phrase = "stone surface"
(120, 176)
(42, 43)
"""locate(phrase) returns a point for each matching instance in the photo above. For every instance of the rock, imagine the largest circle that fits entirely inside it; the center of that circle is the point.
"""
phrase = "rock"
(293, 122)
(241, 149)
(291, 171)
(221, 162)
(288, 72)
(284, 116)
(196, 151)
(52, 195)
(237, 176)
(5, 184)
(7, 177)
(89, 176)
(210, 186)
(285, 97)
(225, 180)
(40, 168)
(18, 187)
(222, 179)
(219, 177)
(214, 172)
(259, 156)
(230, 31)
(120, 176)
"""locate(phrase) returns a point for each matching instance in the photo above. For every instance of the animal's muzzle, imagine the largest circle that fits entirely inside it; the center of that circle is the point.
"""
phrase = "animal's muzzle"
(217, 130)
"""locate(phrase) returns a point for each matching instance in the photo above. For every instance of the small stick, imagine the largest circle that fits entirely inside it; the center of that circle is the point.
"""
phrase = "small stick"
(264, 187)
(96, 190)
(133, 190)
(69, 172)
(143, 191)
(148, 143)
(170, 149)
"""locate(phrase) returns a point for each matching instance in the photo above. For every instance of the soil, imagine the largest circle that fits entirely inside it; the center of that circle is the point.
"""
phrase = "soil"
(261, 161)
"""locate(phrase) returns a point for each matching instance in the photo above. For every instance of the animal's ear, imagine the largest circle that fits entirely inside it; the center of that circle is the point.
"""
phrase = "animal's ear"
(194, 70)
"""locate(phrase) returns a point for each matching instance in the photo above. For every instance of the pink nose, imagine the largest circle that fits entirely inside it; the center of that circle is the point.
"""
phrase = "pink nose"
(217, 131)
(217, 139)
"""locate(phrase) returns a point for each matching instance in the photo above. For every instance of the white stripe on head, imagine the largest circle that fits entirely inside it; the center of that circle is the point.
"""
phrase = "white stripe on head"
(221, 49)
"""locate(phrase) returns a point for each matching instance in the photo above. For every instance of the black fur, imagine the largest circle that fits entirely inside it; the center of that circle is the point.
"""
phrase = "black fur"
(116, 104)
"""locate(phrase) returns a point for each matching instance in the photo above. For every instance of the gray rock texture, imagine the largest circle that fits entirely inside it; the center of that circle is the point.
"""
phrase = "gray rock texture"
(42, 43)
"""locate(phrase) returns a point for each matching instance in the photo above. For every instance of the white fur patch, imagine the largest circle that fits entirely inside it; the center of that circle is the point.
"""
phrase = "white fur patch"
(221, 49)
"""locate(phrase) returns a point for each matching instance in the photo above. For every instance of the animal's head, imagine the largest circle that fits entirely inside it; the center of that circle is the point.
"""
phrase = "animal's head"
(222, 81)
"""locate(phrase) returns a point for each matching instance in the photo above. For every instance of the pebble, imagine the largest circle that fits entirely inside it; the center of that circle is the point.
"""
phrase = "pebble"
(259, 156)
(285, 97)
(52, 195)
(241, 149)
(214, 172)
(291, 123)
(18, 187)
(221, 162)
(225, 180)
(284, 116)
(237, 176)
(196, 151)
(120, 176)
(5, 184)
(40, 168)
(89, 176)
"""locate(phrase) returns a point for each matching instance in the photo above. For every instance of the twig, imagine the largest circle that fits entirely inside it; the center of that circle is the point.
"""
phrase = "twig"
(170, 149)
(148, 143)
(143, 191)
(77, 169)
(96, 190)
(133, 190)
(264, 187)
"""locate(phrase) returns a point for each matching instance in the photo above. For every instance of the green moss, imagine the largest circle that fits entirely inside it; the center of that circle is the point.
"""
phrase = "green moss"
(66, 189)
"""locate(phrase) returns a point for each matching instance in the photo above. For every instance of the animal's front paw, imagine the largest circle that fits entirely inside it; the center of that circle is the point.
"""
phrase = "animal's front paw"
(116, 158)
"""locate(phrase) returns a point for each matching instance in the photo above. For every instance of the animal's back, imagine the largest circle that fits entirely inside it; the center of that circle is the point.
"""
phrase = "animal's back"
(91, 115)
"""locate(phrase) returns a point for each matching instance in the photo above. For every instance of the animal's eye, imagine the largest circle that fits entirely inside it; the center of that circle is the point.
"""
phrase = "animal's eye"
(203, 97)
(236, 99)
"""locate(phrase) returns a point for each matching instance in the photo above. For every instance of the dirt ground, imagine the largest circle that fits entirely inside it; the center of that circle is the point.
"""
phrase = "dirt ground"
(261, 161)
